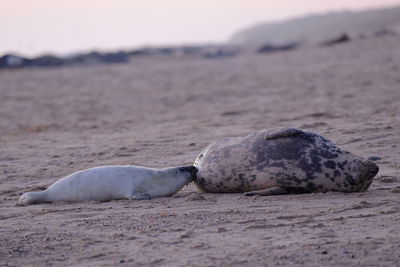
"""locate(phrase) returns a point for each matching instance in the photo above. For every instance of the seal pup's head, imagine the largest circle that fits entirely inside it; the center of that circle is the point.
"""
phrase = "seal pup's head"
(171, 180)
(182, 174)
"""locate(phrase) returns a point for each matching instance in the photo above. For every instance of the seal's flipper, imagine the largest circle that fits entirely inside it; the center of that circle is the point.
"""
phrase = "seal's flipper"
(277, 190)
(285, 132)
(141, 197)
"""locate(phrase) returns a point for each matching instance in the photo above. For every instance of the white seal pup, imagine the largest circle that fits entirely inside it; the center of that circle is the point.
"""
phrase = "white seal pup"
(281, 161)
(114, 182)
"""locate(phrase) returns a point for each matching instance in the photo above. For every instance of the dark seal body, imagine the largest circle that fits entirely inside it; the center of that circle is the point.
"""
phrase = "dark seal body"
(281, 161)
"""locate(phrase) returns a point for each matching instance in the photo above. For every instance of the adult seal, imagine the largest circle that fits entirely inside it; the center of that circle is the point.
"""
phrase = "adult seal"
(114, 182)
(281, 161)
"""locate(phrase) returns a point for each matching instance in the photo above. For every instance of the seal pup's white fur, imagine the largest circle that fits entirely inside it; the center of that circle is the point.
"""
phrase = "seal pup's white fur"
(114, 182)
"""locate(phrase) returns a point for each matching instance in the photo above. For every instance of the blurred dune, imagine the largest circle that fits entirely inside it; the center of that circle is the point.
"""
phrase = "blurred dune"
(319, 27)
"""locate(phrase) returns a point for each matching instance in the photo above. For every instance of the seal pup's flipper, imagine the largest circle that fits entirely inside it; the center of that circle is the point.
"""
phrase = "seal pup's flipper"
(140, 197)
(276, 190)
(284, 132)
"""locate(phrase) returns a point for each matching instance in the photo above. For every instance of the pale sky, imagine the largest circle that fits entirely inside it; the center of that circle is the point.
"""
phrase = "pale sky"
(32, 27)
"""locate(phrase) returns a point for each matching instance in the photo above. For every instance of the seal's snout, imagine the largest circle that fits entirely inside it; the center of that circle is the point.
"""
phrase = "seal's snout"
(371, 169)
(191, 169)
(368, 171)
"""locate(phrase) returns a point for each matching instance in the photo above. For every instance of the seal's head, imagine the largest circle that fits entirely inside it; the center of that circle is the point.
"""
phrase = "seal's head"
(368, 170)
(169, 180)
(357, 175)
(188, 172)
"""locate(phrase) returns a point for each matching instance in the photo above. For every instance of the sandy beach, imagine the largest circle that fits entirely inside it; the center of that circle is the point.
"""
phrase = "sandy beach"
(161, 112)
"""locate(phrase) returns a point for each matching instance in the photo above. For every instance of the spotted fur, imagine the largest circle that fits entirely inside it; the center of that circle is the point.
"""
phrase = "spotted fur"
(292, 160)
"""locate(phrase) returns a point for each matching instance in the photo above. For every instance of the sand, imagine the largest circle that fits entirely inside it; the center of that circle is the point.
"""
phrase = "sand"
(161, 112)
